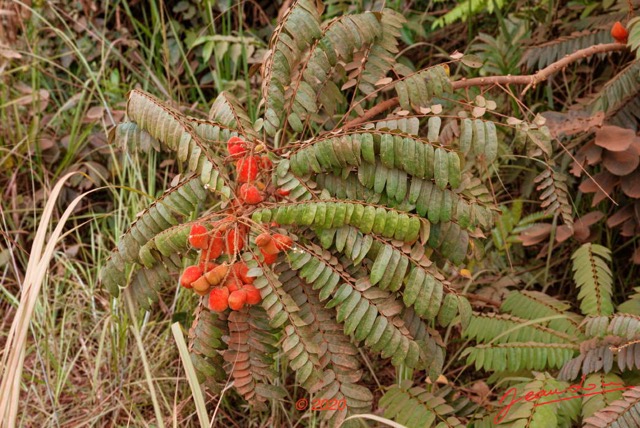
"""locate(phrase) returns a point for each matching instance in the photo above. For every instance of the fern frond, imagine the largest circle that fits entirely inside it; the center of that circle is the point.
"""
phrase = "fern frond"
(205, 345)
(405, 125)
(419, 89)
(147, 283)
(593, 277)
(314, 86)
(365, 311)
(540, 56)
(249, 357)
(380, 57)
(632, 304)
(297, 30)
(466, 9)
(539, 410)
(595, 355)
(227, 114)
(554, 193)
(621, 413)
(620, 88)
(598, 399)
(404, 152)
(164, 213)
(515, 356)
(131, 138)
(496, 328)
(299, 343)
(628, 356)
(533, 305)
(340, 366)
(414, 406)
(177, 134)
(329, 214)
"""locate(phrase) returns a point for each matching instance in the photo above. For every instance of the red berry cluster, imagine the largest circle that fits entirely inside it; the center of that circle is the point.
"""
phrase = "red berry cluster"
(248, 167)
(227, 283)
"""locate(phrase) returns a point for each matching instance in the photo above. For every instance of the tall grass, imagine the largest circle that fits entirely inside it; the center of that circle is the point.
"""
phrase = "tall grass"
(73, 356)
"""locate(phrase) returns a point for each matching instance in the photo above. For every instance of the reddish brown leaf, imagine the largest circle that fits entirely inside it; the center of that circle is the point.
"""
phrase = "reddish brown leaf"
(605, 184)
(563, 233)
(535, 234)
(630, 184)
(614, 138)
(581, 226)
(620, 216)
(621, 163)
(636, 256)
(589, 154)
(629, 228)
(590, 218)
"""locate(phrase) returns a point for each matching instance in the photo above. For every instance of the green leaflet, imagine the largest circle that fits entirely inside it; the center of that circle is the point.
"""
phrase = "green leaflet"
(448, 310)
(380, 264)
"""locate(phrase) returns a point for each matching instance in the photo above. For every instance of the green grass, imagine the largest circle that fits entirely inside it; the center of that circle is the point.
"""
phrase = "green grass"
(89, 360)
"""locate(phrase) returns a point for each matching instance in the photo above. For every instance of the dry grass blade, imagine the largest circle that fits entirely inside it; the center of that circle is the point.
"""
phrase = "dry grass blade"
(13, 358)
(198, 398)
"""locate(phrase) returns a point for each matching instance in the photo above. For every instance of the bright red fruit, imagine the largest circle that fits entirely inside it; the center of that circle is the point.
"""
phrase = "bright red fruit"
(263, 239)
(240, 270)
(619, 33)
(214, 250)
(237, 299)
(247, 168)
(219, 299)
(250, 194)
(269, 258)
(253, 294)
(282, 192)
(235, 241)
(265, 162)
(232, 283)
(282, 242)
(236, 147)
(198, 237)
(190, 274)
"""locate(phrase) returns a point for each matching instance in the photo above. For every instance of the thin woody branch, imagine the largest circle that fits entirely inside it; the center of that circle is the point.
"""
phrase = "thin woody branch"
(529, 79)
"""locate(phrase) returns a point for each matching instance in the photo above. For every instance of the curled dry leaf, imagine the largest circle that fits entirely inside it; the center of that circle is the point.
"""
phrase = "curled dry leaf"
(630, 184)
(614, 138)
(621, 163)
(582, 225)
(602, 186)
(620, 216)
(535, 234)
(589, 154)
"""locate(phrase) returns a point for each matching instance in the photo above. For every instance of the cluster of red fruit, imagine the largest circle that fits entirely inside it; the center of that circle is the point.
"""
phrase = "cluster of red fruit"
(227, 284)
(247, 168)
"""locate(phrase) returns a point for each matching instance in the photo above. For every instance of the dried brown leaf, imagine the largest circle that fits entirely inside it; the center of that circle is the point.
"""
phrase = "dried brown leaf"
(614, 138)
(630, 184)
(535, 234)
(621, 163)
